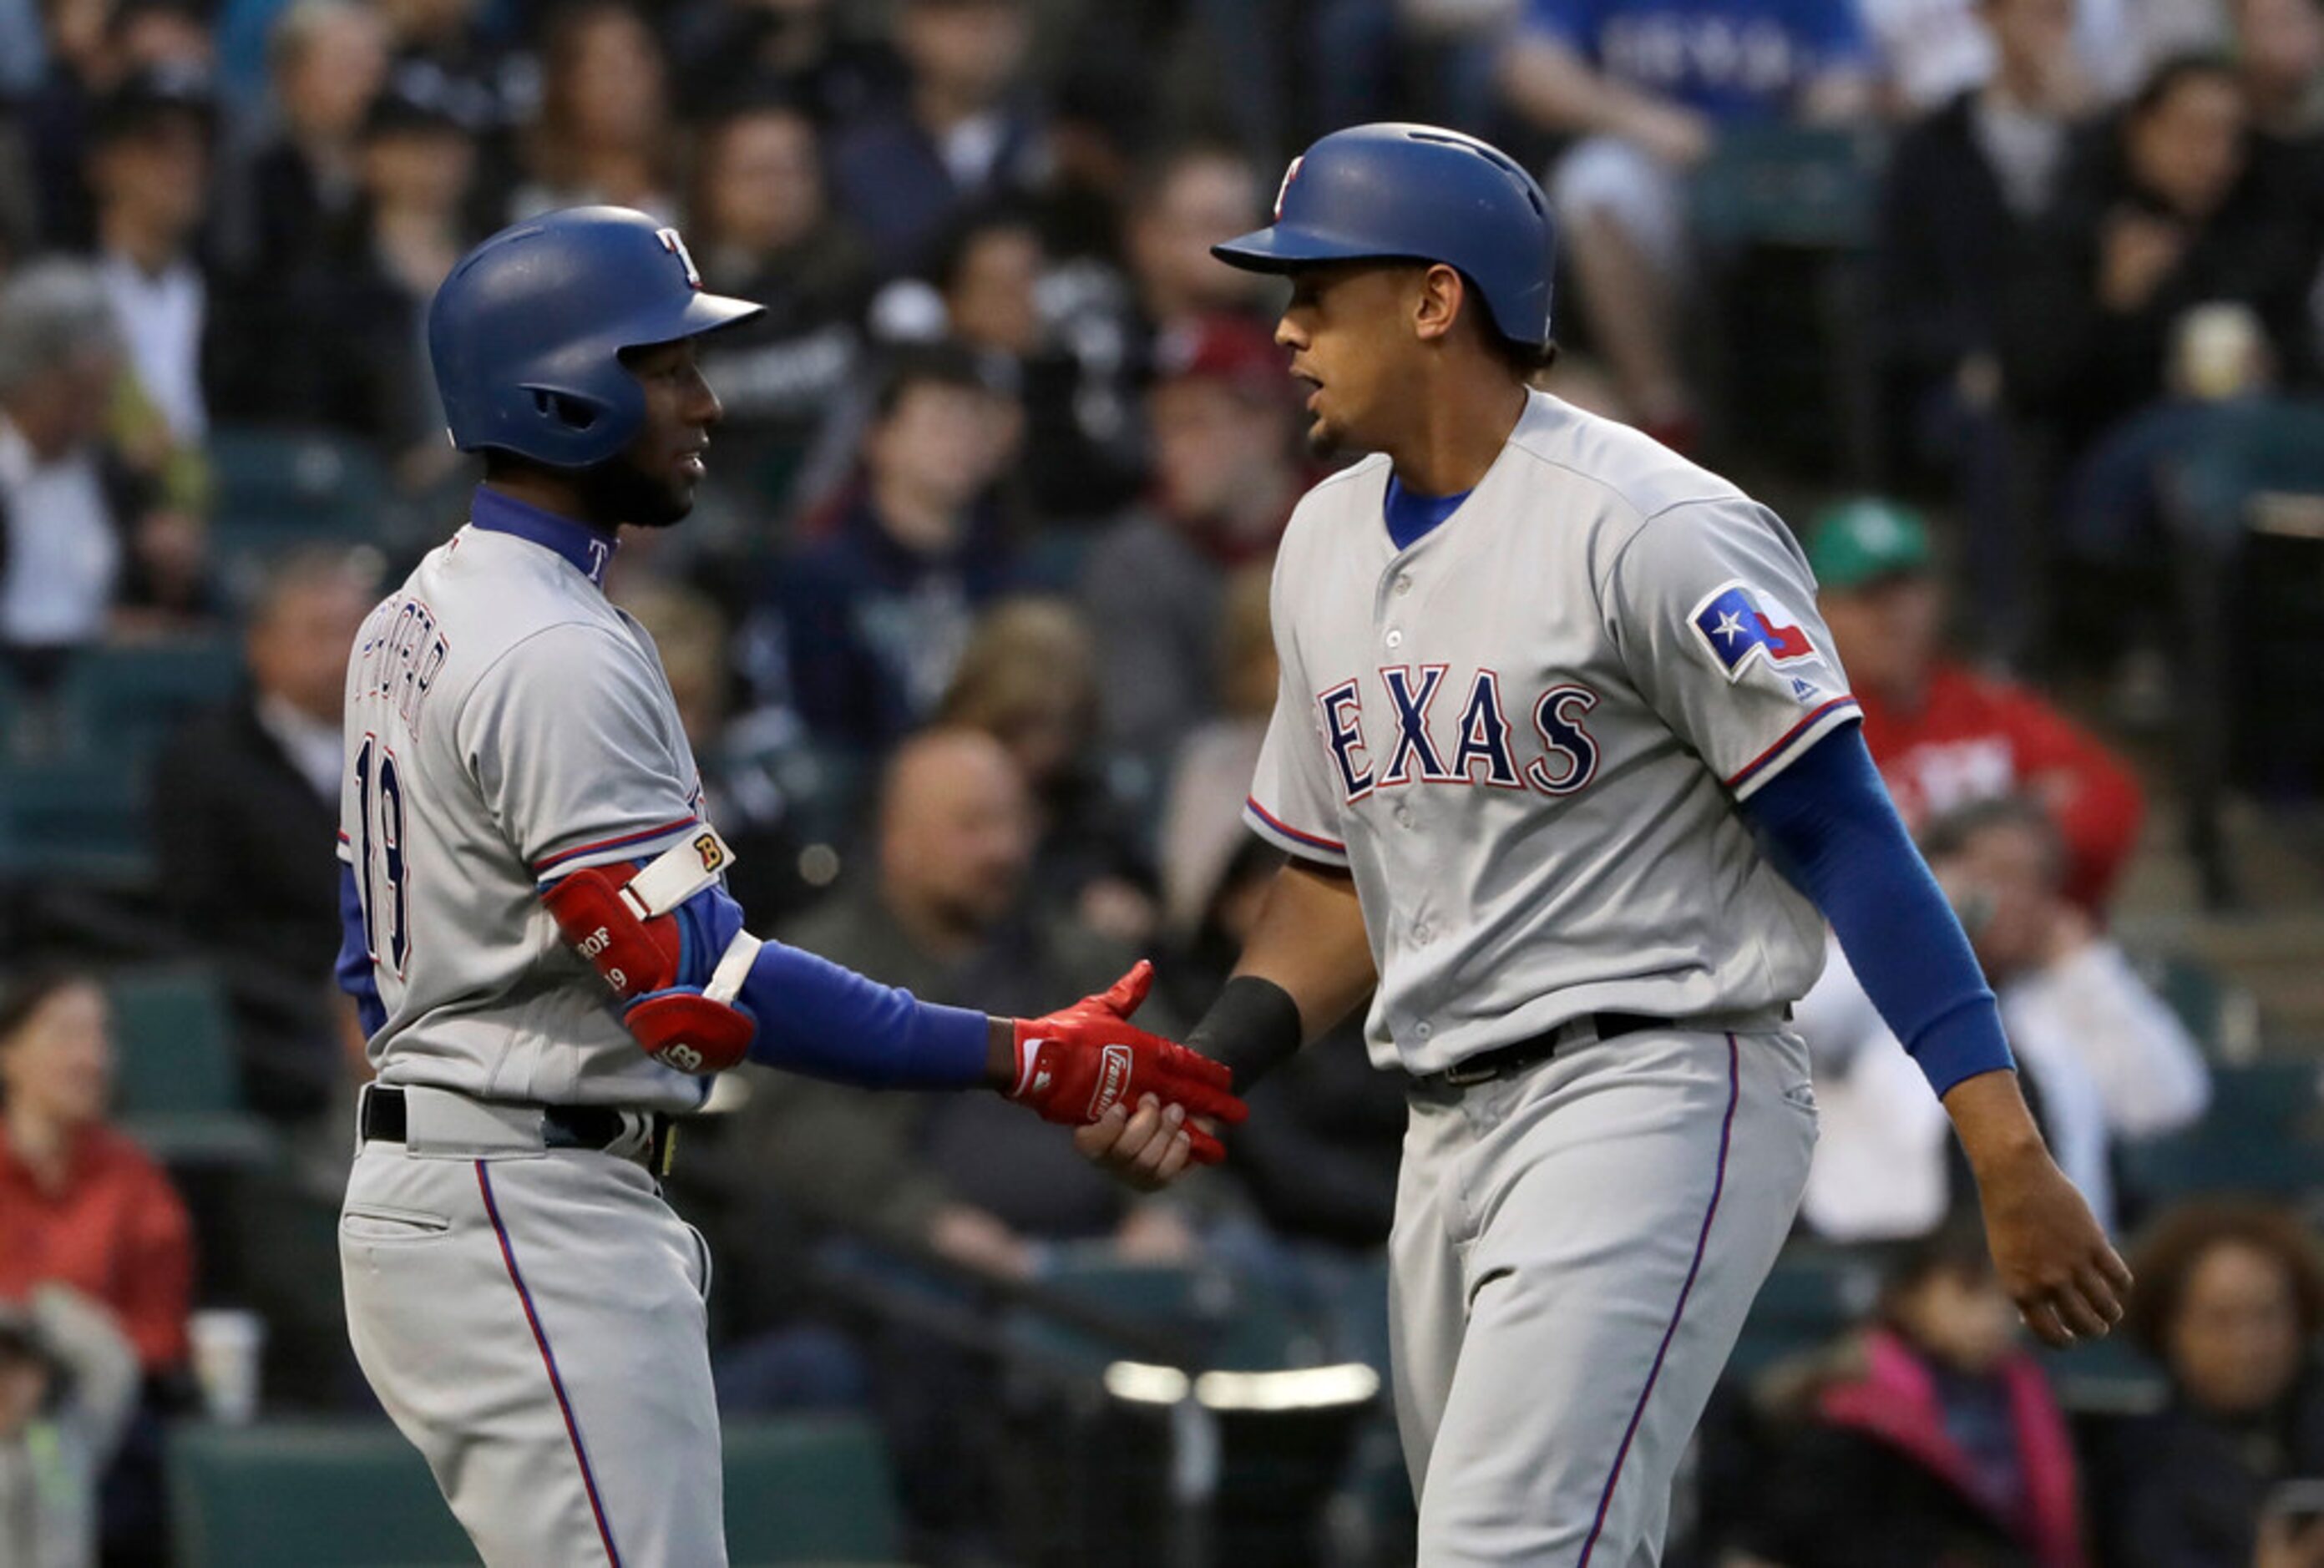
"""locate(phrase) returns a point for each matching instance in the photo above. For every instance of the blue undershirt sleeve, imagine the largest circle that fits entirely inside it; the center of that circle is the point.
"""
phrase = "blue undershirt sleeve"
(354, 965)
(1827, 823)
(820, 1020)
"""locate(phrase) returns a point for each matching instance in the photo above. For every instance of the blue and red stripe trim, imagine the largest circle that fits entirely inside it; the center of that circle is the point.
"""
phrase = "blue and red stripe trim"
(549, 1359)
(1312, 840)
(1662, 1352)
(1774, 753)
(620, 841)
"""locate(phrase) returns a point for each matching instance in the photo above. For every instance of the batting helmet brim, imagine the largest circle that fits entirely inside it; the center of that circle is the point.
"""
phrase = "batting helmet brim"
(690, 318)
(1280, 247)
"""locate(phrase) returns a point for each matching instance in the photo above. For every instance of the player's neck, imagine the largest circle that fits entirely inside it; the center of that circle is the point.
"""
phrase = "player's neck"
(549, 493)
(1458, 430)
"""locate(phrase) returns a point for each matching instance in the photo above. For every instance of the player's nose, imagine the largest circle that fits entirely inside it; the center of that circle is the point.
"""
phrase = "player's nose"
(1289, 336)
(704, 408)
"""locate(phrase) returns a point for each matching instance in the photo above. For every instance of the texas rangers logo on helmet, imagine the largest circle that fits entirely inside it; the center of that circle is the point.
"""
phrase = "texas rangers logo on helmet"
(677, 247)
(1283, 190)
(1736, 627)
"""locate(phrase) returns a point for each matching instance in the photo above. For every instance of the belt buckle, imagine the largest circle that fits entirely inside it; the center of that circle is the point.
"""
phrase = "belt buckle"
(1464, 1075)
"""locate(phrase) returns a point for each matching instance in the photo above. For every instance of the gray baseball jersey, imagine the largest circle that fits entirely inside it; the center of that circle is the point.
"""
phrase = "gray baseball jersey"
(504, 724)
(1526, 734)
(530, 1316)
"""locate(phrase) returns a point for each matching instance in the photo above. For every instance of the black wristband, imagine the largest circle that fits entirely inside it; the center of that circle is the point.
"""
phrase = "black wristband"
(1253, 1027)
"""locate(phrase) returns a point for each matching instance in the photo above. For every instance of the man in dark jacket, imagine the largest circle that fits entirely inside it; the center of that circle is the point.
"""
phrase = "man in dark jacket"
(246, 807)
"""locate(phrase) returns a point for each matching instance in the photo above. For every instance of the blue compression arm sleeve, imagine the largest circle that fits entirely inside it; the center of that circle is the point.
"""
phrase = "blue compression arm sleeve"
(353, 967)
(1831, 829)
(820, 1020)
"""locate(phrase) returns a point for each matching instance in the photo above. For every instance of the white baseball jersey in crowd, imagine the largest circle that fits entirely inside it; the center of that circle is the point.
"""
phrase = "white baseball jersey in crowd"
(531, 1316)
(1526, 736)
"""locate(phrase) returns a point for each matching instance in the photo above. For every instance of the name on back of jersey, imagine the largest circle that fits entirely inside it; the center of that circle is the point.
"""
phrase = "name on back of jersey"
(1406, 740)
(401, 653)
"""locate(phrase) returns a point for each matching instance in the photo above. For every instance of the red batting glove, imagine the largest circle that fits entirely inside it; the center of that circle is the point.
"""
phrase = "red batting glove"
(1075, 1064)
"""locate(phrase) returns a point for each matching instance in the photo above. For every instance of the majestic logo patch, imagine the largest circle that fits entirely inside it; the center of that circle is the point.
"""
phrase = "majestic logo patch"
(1736, 625)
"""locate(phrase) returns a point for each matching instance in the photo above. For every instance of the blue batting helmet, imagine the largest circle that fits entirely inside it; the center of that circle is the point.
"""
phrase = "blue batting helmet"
(1416, 193)
(526, 334)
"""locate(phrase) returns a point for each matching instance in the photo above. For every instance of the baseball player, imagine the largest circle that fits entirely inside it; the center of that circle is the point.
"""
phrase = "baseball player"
(520, 809)
(1566, 769)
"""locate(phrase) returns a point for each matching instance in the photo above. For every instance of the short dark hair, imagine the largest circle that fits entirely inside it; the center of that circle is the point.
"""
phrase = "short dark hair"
(1001, 215)
(1956, 1248)
(2180, 1240)
(943, 363)
(1520, 358)
(31, 989)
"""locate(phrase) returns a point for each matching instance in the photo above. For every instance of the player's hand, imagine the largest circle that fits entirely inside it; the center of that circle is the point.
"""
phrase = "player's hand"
(1079, 1064)
(1148, 1147)
(2052, 1257)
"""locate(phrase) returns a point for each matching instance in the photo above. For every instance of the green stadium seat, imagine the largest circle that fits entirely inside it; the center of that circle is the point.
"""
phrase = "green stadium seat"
(2264, 1133)
(175, 1040)
(282, 488)
(356, 1495)
(307, 1495)
(80, 820)
(121, 702)
(1814, 188)
(2107, 1377)
(809, 1489)
(177, 1088)
(1814, 1295)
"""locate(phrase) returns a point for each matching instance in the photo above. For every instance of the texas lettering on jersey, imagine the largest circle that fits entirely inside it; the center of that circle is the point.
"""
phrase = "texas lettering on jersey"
(1479, 747)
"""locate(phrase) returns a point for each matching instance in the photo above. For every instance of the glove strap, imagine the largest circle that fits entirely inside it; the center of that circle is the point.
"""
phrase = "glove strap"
(677, 873)
(734, 970)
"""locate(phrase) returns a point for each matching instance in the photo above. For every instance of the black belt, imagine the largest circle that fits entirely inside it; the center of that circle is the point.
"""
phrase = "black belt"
(1487, 1065)
(596, 1127)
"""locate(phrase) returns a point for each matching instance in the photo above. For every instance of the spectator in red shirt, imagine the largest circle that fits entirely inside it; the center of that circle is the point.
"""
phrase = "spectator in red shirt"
(1943, 734)
(80, 1204)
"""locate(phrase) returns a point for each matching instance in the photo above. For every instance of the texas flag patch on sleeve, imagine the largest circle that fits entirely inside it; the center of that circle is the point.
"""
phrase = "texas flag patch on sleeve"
(1737, 624)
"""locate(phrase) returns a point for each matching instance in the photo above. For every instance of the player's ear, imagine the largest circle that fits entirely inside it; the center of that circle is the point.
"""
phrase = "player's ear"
(1437, 302)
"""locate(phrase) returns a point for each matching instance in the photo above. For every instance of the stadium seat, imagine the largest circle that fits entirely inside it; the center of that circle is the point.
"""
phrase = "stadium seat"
(2243, 493)
(809, 1489)
(1785, 217)
(356, 1495)
(121, 702)
(2264, 1133)
(303, 1495)
(176, 1089)
(1814, 1295)
(80, 820)
(278, 487)
(1810, 187)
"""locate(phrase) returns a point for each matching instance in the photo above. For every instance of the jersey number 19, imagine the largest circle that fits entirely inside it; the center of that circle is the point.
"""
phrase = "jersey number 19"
(379, 797)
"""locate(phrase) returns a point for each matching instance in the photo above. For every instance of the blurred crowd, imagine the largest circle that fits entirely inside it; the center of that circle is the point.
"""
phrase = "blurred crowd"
(969, 633)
